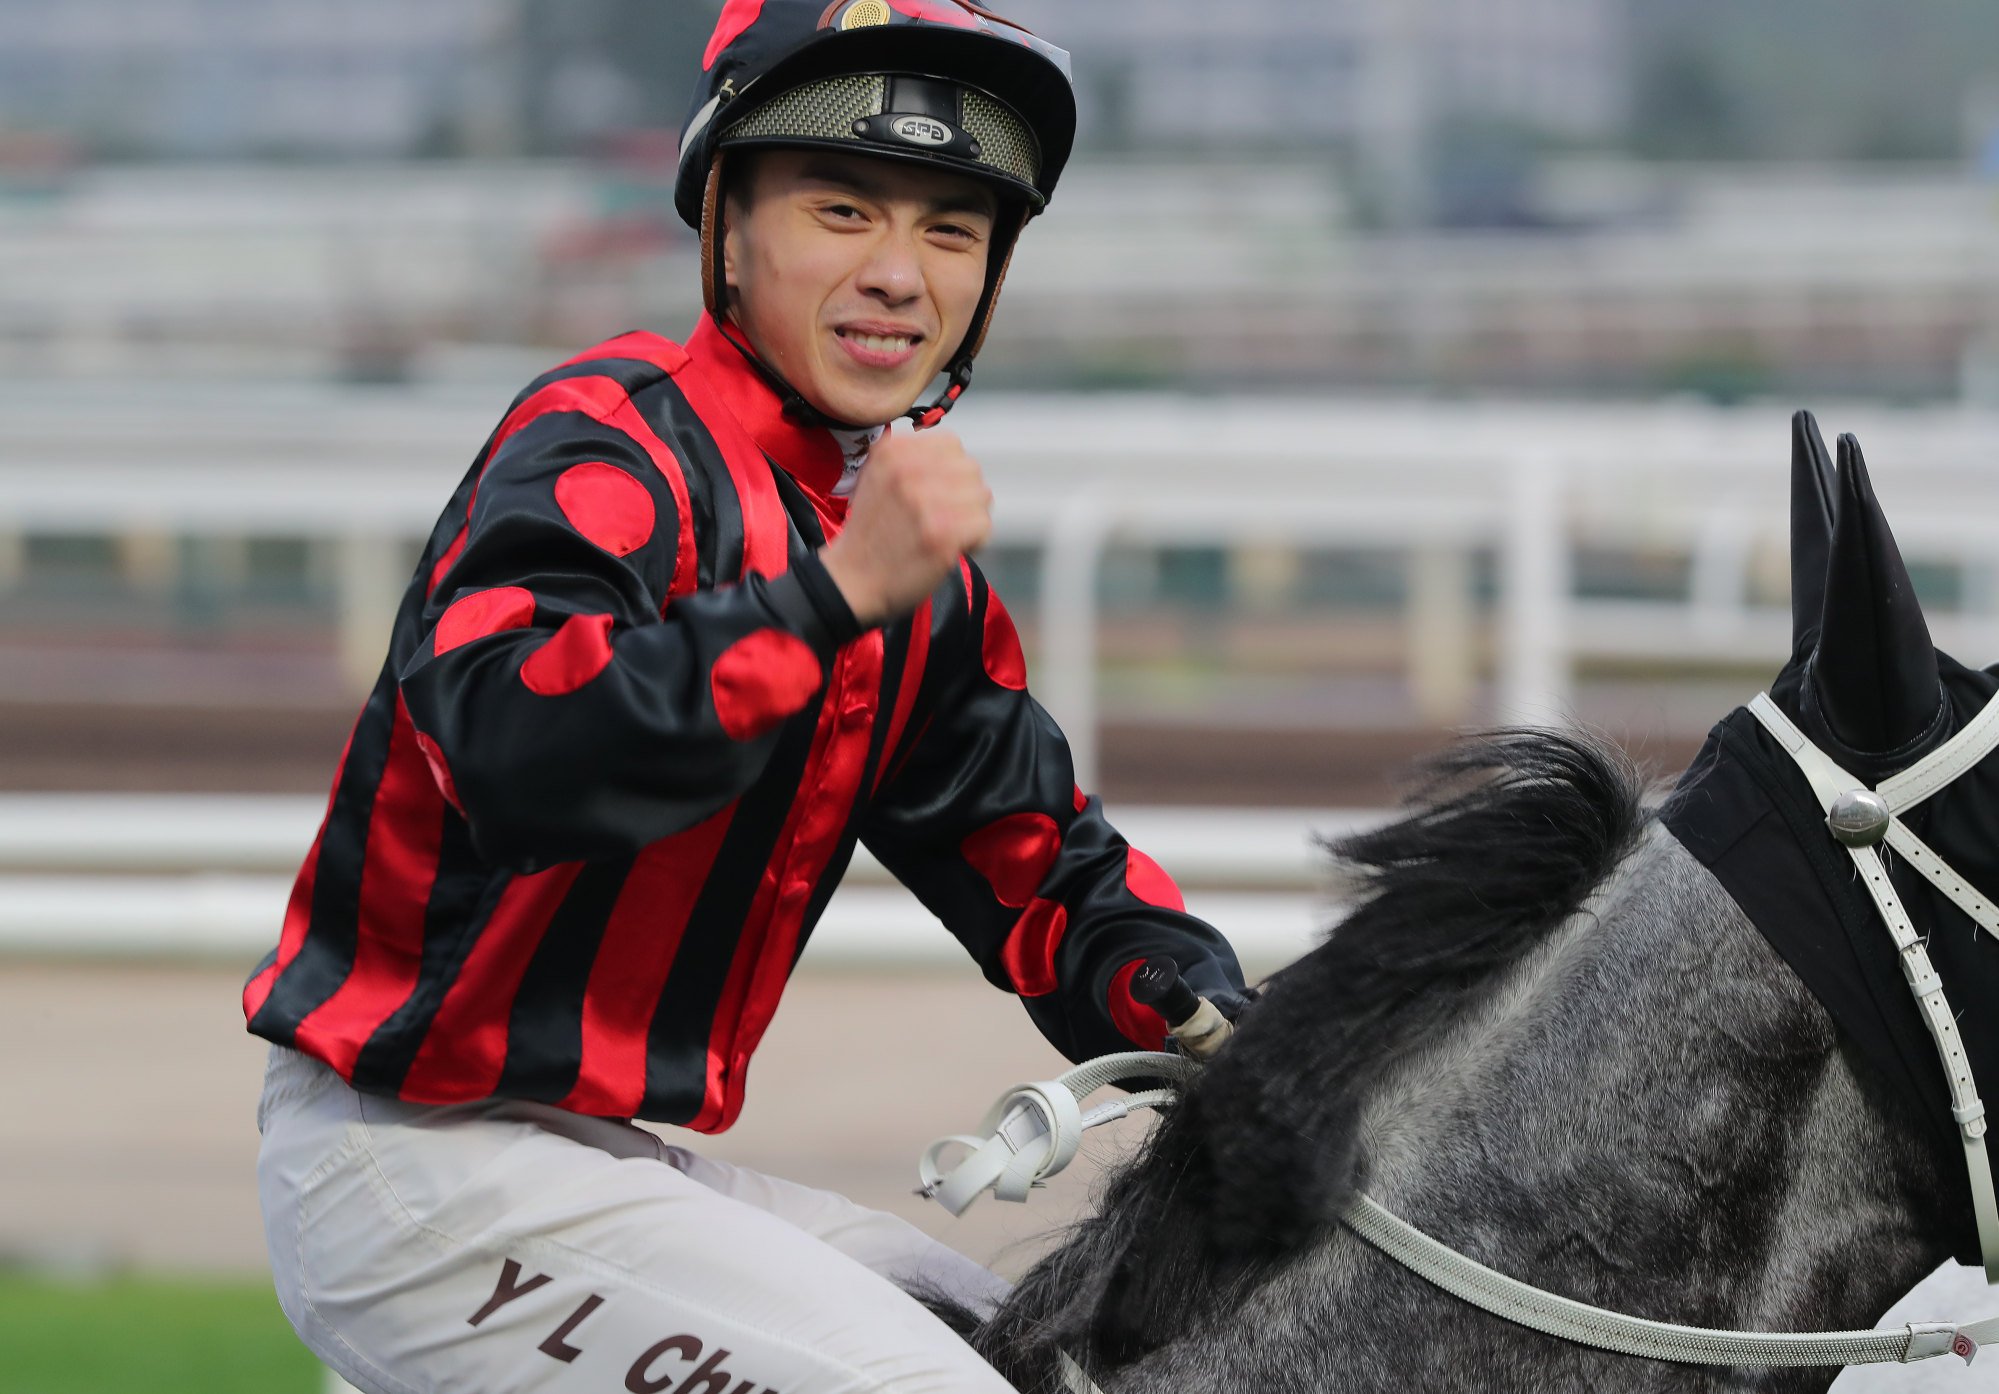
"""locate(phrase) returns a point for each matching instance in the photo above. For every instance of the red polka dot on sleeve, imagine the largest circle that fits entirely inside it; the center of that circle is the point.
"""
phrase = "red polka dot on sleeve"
(761, 679)
(1005, 663)
(1014, 855)
(1147, 880)
(606, 505)
(578, 652)
(1029, 952)
(1138, 1023)
(439, 771)
(482, 613)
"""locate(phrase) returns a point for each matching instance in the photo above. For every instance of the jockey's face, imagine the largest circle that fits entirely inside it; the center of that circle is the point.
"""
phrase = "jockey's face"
(854, 278)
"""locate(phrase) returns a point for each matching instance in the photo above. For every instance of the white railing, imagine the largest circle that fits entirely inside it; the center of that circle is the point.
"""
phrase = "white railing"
(177, 876)
(368, 472)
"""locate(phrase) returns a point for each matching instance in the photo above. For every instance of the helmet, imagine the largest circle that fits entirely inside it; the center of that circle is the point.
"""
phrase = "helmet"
(945, 83)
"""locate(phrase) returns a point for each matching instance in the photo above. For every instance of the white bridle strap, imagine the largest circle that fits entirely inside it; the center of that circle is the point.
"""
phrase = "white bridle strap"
(1955, 756)
(1918, 782)
(1035, 1129)
(1463, 1278)
(1655, 1340)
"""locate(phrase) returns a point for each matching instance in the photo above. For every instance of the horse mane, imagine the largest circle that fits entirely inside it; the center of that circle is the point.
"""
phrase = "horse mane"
(1506, 833)
(1504, 836)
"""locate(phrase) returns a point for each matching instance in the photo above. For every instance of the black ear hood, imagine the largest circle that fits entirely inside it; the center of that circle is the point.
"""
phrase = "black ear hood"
(1866, 685)
(1874, 671)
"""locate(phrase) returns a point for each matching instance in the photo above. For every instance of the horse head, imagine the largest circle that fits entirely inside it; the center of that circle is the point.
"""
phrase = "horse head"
(1658, 1061)
(1868, 687)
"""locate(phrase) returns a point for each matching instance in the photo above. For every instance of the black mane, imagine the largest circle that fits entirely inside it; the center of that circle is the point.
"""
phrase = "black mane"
(1507, 833)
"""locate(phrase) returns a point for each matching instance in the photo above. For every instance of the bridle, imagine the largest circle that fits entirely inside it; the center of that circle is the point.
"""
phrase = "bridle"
(1860, 819)
(1035, 1129)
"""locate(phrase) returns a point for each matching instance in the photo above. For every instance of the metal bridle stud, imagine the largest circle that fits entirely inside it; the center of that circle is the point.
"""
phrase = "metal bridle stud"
(1859, 818)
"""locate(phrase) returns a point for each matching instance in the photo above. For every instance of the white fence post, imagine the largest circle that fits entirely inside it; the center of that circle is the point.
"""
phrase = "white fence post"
(1440, 662)
(370, 585)
(1534, 665)
(1065, 679)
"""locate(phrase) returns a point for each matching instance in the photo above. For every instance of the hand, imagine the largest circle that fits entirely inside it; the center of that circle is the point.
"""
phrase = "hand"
(921, 504)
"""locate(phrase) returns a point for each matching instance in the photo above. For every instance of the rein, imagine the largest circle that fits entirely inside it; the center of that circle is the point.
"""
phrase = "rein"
(1035, 1130)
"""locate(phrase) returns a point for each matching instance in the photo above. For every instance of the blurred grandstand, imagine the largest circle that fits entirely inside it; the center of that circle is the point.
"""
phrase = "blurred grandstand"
(1384, 366)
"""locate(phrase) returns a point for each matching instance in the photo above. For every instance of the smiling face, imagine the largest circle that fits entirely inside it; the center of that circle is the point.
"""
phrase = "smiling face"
(855, 279)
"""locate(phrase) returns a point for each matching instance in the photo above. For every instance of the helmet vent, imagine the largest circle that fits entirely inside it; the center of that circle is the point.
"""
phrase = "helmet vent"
(825, 110)
(841, 109)
(1004, 139)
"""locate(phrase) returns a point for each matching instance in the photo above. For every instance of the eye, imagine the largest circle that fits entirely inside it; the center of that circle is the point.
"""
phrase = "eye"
(842, 212)
(955, 232)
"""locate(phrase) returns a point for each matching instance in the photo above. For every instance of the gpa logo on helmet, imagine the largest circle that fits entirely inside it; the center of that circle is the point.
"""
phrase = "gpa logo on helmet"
(922, 130)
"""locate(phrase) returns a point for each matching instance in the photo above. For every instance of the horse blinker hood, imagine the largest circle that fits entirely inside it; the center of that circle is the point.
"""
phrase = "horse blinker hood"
(1866, 686)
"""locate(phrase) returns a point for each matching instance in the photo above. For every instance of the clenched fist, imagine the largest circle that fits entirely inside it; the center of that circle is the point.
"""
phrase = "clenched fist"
(920, 505)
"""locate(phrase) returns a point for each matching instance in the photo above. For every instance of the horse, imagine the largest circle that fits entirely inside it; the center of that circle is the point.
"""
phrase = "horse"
(1582, 1037)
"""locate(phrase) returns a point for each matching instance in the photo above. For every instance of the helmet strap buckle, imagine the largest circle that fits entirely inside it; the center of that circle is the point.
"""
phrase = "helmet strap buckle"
(961, 378)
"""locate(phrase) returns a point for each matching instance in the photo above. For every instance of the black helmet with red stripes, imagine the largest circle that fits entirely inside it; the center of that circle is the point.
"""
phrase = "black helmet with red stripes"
(946, 83)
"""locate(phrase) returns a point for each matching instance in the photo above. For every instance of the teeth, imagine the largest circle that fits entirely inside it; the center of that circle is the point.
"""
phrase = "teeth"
(882, 343)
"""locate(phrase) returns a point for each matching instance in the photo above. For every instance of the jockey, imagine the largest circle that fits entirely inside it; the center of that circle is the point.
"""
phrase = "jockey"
(695, 623)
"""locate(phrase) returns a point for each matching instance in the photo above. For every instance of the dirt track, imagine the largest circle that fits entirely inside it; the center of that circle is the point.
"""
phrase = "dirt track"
(130, 1138)
(130, 1098)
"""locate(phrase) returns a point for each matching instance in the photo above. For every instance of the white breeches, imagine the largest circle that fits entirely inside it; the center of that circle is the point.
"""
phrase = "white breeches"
(509, 1248)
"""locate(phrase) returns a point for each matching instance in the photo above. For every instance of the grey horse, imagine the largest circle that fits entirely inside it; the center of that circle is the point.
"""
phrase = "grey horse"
(1552, 1036)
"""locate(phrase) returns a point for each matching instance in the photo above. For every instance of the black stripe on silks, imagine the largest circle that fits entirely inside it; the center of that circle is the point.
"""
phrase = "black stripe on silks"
(263, 964)
(896, 641)
(718, 512)
(634, 375)
(327, 956)
(836, 871)
(461, 899)
(805, 525)
(545, 1022)
(677, 1041)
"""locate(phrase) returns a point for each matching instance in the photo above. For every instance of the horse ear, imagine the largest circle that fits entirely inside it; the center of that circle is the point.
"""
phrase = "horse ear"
(1812, 493)
(1875, 668)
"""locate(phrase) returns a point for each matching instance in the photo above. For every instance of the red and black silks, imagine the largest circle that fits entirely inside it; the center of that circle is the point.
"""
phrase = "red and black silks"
(626, 739)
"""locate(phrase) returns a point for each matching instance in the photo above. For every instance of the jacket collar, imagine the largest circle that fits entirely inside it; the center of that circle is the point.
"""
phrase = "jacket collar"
(810, 454)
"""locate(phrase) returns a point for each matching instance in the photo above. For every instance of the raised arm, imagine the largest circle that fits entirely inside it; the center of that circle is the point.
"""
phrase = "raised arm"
(982, 819)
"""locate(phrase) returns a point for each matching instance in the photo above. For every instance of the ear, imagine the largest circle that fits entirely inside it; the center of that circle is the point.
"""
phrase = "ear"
(727, 232)
(1812, 492)
(1875, 670)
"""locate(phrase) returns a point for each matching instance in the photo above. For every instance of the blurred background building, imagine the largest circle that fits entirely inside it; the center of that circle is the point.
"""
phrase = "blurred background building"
(1383, 366)
(294, 234)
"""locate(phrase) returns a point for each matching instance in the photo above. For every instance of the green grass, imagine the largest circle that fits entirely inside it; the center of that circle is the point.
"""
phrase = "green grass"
(163, 1336)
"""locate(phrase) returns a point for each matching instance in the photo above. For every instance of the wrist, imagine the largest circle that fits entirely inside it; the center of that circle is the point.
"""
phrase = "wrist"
(854, 584)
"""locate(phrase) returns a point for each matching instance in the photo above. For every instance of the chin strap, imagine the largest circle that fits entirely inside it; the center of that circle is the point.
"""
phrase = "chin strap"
(795, 406)
(961, 378)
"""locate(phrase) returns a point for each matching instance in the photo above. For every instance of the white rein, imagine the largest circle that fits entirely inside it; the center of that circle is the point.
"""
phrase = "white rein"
(1034, 1130)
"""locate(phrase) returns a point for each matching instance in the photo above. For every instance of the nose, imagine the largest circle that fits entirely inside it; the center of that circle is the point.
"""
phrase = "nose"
(892, 274)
